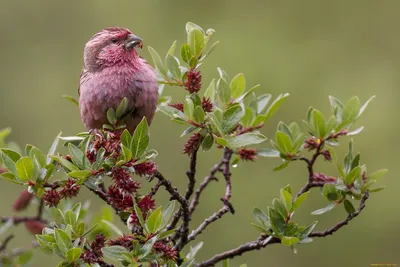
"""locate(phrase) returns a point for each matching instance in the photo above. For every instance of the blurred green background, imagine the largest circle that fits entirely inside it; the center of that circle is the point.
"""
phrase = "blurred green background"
(310, 49)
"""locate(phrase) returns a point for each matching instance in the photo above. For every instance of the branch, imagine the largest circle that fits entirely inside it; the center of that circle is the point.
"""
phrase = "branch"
(184, 230)
(5, 242)
(339, 225)
(203, 185)
(217, 215)
(18, 220)
(191, 174)
(249, 246)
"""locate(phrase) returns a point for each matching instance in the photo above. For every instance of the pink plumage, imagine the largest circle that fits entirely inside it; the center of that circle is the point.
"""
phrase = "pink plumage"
(113, 70)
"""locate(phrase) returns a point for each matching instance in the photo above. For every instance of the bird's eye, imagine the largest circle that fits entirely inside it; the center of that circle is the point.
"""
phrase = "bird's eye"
(114, 40)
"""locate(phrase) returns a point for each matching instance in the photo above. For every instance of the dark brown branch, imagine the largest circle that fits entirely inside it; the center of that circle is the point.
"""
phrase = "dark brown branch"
(191, 174)
(227, 175)
(249, 246)
(39, 213)
(339, 225)
(203, 185)
(3, 246)
(184, 230)
(217, 215)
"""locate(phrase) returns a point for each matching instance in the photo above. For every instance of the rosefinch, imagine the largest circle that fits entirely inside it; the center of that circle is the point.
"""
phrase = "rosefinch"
(113, 70)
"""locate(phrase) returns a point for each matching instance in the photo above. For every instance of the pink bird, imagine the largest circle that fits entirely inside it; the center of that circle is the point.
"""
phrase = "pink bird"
(113, 70)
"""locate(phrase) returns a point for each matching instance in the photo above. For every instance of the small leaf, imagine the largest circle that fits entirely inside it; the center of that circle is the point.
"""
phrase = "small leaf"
(171, 50)
(300, 200)
(362, 109)
(81, 174)
(157, 61)
(113, 227)
(167, 212)
(122, 108)
(73, 254)
(191, 25)
(114, 252)
(72, 99)
(290, 240)
(70, 217)
(324, 210)
(111, 116)
(307, 231)
(356, 131)
(147, 247)
(196, 41)
(275, 105)
(268, 152)
(77, 155)
(25, 168)
(210, 91)
(207, 142)
(198, 114)
(250, 92)
(286, 198)
(238, 85)
(154, 221)
(231, 118)
(186, 55)
(377, 175)
(246, 140)
(262, 102)
(349, 207)
(352, 175)
(318, 121)
(140, 139)
(173, 66)
(63, 241)
(139, 215)
(282, 166)
(330, 192)
(284, 143)
(223, 91)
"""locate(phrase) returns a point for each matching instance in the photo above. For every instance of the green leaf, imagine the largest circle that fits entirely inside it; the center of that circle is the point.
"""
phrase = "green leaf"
(212, 48)
(221, 141)
(173, 66)
(81, 174)
(171, 50)
(216, 122)
(262, 102)
(63, 241)
(140, 139)
(9, 158)
(126, 138)
(196, 41)
(111, 116)
(35, 152)
(349, 207)
(318, 121)
(377, 175)
(113, 227)
(246, 140)
(250, 92)
(356, 131)
(186, 55)
(140, 216)
(306, 231)
(73, 254)
(157, 61)
(127, 153)
(289, 241)
(10, 177)
(261, 217)
(330, 192)
(147, 247)
(284, 143)
(193, 250)
(275, 106)
(154, 221)
(247, 117)
(207, 142)
(225, 263)
(122, 108)
(191, 25)
(24, 257)
(377, 189)
(352, 175)
(210, 91)
(238, 85)
(72, 99)
(351, 109)
(198, 114)
(231, 118)
(223, 91)
(77, 156)
(114, 252)
(300, 200)
(286, 199)
(278, 223)
(70, 217)
(324, 210)
(167, 212)
(25, 168)
(53, 149)
(281, 166)
(268, 152)
(362, 109)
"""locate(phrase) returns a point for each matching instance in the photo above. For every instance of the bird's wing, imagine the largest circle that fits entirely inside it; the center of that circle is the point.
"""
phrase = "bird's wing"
(82, 79)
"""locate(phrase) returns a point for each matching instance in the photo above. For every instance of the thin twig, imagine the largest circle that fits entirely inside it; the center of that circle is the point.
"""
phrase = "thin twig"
(339, 225)
(40, 210)
(191, 174)
(18, 220)
(249, 246)
(5, 242)
(217, 215)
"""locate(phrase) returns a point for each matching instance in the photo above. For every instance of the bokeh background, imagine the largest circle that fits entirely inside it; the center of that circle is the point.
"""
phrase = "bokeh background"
(310, 49)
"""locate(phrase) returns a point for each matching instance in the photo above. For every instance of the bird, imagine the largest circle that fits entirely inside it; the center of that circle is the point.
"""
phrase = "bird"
(113, 70)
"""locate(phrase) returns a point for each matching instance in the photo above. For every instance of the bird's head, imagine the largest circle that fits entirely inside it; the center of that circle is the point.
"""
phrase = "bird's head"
(109, 47)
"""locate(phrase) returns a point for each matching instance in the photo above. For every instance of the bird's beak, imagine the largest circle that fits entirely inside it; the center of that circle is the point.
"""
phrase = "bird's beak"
(133, 41)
